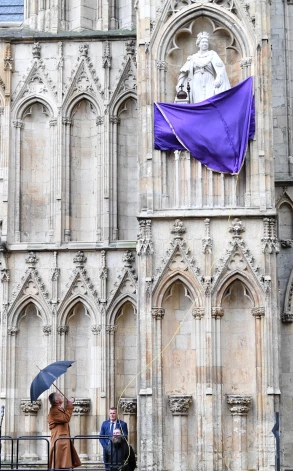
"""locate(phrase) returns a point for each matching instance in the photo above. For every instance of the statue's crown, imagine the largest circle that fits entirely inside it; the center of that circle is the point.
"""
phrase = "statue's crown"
(203, 34)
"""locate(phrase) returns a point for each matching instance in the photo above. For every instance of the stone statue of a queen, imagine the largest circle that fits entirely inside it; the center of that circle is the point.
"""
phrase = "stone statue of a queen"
(205, 72)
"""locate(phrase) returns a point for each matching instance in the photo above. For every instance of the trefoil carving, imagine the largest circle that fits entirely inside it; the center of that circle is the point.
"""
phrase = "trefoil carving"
(177, 258)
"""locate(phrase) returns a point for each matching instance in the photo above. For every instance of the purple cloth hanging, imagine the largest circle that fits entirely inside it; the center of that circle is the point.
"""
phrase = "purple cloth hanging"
(215, 131)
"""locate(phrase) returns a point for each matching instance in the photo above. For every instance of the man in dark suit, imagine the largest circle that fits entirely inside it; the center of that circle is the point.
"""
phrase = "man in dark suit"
(119, 455)
(109, 426)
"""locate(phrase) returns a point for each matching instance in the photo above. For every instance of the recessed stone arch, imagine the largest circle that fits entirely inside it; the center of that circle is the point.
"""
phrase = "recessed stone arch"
(14, 317)
(76, 99)
(253, 287)
(125, 350)
(66, 309)
(84, 175)
(195, 290)
(125, 168)
(285, 221)
(117, 305)
(24, 104)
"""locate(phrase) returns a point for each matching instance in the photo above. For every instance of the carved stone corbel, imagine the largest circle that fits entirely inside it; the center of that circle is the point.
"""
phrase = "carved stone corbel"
(179, 404)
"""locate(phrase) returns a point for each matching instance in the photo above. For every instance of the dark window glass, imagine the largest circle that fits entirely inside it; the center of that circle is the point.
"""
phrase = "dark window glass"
(11, 10)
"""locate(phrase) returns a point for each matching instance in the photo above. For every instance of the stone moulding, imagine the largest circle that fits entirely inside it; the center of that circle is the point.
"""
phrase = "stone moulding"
(179, 403)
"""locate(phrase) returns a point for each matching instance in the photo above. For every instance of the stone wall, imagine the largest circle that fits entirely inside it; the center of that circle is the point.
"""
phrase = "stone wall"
(169, 285)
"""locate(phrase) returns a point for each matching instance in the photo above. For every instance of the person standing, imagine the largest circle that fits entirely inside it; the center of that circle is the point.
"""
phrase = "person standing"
(108, 427)
(119, 454)
(58, 420)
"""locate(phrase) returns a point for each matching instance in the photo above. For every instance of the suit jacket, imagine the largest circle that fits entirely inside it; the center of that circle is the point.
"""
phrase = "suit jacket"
(120, 457)
(106, 430)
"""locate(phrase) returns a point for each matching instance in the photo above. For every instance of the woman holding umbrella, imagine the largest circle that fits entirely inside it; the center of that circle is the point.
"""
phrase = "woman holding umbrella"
(58, 420)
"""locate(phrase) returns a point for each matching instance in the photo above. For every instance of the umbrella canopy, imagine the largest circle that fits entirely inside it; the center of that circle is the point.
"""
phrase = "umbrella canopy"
(47, 376)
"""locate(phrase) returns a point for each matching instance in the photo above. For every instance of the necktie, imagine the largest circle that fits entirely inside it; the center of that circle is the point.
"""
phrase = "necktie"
(111, 428)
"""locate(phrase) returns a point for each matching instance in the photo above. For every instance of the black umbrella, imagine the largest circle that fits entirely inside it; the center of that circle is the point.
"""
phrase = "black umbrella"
(47, 376)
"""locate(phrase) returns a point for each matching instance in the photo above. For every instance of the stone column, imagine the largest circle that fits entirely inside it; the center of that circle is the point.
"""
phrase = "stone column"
(66, 136)
(179, 406)
(158, 315)
(129, 407)
(18, 124)
(81, 409)
(239, 407)
(30, 410)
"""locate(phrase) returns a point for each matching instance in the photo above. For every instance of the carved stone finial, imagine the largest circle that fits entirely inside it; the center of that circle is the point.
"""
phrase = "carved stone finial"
(55, 271)
(236, 228)
(84, 49)
(158, 313)
(81, 406)
(79, 259)
(179, 404)
(31, 260)
(266, 282)
(144, 238)
(128, 405)
(4, 275)
(270, 242)
(36, 50)
(178, 228)
(8, 61)
(106, 55)
(238, 404)
(128, 258)
(207, 285)
(130, 47)
(207, 241)
(30, 408)
(103, 269)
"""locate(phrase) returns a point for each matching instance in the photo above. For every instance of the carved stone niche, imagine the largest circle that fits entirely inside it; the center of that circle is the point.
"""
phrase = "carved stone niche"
(179, 404)
(183, 45)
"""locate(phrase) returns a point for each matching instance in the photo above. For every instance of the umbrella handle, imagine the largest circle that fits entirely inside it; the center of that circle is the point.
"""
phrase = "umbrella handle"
(53, 384)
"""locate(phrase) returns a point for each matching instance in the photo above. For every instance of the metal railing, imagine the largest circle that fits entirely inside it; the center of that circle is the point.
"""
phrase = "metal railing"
(16, 462)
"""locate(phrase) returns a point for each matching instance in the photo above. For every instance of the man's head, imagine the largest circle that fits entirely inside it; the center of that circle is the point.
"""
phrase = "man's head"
(117, 437)
(113, 414)
(55, 399)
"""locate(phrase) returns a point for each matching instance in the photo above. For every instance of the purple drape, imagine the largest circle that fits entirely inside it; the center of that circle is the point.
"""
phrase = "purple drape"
(215, 131)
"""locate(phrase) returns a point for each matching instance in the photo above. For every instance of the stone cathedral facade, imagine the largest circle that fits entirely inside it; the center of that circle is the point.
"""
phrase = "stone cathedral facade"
(171, 286)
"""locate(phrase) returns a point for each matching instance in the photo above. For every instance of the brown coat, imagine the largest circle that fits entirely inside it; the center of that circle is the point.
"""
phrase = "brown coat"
(66, 456)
